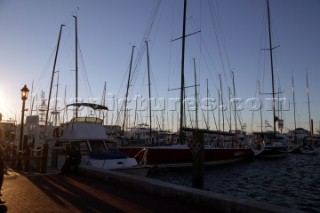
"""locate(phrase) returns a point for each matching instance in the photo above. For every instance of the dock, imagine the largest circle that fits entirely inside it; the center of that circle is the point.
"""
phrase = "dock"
(93, 190)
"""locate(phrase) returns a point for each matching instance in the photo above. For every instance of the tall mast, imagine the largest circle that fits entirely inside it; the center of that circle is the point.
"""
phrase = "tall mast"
(235, 103)
(76, 54)
(309, 112)
(31, 100)
(261, 123)
(271, 61)
(64, 100)
(182, 71)
(207, 105)
(135, 112)
(52, 76)
(103, 101)
(221, 97)
(55, 113)
(219, 109)
(230, 109)
(195, 92)
(294, 110)
(127, 92)
(149, 86)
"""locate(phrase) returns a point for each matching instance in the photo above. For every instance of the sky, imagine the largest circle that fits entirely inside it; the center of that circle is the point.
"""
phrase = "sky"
(233, 39)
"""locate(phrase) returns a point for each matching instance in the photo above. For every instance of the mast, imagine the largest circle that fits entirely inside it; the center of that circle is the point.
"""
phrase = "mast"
(272, 74)
(235, 103)
(221, 97)
(230, 128)
(103, 101)
(261, 123)
(127, 92)
(219, 123)
(309, 112)
(52, 76)
(182, 71)
(55, 113)
(195, 92)
(294, 110)
(31, 100)
(135, 112)
(76, 55)
(149, 86)
(65, 103)
(207, 105)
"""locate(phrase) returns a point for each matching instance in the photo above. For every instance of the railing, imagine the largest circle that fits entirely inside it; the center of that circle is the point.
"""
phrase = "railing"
(29, 159)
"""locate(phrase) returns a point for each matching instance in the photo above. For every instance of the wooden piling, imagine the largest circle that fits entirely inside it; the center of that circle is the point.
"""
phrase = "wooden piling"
(198, 161)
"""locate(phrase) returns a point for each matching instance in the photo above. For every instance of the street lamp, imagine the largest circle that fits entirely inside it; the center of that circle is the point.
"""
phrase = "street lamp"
(24, 96)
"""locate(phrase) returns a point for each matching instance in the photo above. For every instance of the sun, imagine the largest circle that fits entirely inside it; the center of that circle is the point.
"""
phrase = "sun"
(4, 105)
(2, 101)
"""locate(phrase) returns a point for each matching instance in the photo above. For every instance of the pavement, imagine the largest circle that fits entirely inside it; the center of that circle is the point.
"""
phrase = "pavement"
(53, 192)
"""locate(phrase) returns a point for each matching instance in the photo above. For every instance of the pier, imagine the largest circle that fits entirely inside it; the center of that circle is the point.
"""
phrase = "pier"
(95, 191)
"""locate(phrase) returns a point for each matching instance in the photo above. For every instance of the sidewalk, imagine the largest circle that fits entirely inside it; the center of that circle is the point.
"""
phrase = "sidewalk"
(29, 192)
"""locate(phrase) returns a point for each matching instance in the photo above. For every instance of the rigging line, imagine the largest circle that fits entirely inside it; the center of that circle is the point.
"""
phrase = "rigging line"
(241, 125)
(202, 110)
(215, 27)
(137, 62)
(200, 45)
(214, 117)
(124, 79)
(206, 61)
(85, 71)
(275, 58)
(137, 65)
(207, 66)
(155, 87)
(146, 36)
(37, 85)
(168, 83)
(189, 113)
(119, 110)
(171, 71)
(261, 63)
(227, 118)
(220, 32)
(204, 118)
(201, 41)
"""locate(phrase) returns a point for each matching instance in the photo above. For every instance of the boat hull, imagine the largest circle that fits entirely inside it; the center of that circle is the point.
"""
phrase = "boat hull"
(181, 155)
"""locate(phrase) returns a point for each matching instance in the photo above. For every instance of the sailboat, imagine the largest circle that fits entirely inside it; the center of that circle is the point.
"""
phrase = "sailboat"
(275, 144)
(216, 151)
(310, 144)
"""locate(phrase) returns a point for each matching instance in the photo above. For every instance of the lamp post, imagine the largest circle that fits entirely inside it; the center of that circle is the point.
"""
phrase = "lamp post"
(24, 96)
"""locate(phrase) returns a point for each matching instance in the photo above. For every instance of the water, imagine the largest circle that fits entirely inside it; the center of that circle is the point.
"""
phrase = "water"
(292, 181)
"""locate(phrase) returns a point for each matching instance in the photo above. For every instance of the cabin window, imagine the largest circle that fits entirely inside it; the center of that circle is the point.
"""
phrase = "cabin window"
(97, 146)
(111, 146)
(82, 146)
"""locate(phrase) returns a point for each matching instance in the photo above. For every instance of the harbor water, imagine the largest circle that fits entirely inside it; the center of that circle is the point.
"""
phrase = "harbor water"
(292, 181)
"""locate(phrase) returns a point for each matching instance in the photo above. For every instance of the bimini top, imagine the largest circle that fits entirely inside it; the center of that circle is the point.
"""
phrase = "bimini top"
(93, 106)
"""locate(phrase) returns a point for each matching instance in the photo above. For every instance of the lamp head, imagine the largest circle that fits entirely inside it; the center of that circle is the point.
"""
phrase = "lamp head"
(24, 93)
